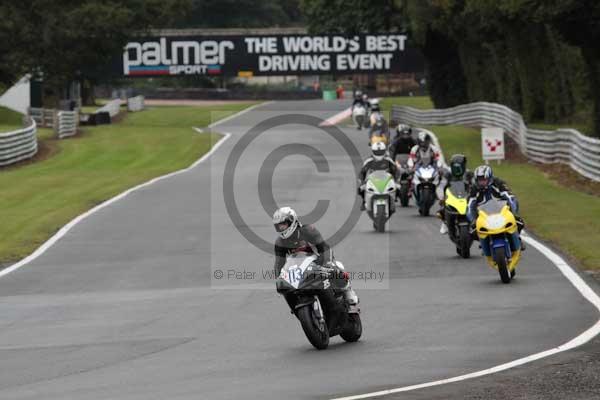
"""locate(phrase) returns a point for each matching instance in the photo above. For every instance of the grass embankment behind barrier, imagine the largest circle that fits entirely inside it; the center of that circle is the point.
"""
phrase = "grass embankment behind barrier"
(10, 120)
(37, 198)
(564, 217)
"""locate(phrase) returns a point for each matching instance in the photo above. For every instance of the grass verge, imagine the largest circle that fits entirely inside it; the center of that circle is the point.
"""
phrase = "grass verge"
(38, 198)
(568, 219)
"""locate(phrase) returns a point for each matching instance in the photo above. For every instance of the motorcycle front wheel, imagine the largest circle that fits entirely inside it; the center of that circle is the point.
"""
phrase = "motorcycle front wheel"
(380, 218)
(404, 196)
(426, 202)
(316, 332)
(464, 240)
(500, 259)
(353, 329)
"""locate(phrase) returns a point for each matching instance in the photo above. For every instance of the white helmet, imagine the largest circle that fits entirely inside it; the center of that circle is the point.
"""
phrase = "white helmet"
(285, 220)
(378, 150)
(375, 105)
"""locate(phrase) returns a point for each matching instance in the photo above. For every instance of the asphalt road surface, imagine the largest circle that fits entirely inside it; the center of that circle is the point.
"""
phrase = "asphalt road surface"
(127, 304)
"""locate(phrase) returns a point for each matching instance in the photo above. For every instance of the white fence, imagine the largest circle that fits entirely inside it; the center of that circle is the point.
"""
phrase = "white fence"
(113, 107)
(135, 103)
(18, 145)
(43, 117)
(67, 123)
(566, 146)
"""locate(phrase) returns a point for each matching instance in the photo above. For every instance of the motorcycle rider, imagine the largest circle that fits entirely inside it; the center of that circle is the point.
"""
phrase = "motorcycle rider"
(423, 150)
(294, 237)
(484, 187)
(358, 99)
(375, 110)
(365, 98)
(379, 127)
(458, 172)
(403, 141)
(378, 161)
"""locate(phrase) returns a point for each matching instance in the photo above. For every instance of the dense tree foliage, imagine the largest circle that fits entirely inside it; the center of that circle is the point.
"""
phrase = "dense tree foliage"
(539, 57)
(68, 39)
(242, 14)
(350, 16)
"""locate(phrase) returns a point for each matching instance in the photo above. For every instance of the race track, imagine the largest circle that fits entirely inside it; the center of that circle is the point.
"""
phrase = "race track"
(126, 306)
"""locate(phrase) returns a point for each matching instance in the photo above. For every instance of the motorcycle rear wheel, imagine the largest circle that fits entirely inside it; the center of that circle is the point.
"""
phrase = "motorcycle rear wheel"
(317, 335)
(353, 329)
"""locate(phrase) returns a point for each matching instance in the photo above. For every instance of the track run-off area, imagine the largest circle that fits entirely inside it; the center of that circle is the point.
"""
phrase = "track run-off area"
(128, 301)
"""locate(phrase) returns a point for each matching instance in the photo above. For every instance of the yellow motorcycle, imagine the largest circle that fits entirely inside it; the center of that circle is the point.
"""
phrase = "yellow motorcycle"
(377, 137)
(455, 214)
(499, 238)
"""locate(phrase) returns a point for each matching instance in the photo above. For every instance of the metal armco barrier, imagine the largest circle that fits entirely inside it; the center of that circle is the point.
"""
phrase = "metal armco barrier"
(135, 103)
(18, 145)
(567, 146)
(67, 123)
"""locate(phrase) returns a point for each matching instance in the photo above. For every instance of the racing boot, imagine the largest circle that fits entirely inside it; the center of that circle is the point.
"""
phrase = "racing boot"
(443, 229)
(520, 226)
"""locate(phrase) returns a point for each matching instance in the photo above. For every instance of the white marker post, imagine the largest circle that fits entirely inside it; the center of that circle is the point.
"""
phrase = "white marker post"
(492, 144)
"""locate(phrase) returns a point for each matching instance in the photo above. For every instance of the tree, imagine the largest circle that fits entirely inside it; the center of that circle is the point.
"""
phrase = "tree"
(71, 39)
(578, 21)
(242, 14)
(350, 16)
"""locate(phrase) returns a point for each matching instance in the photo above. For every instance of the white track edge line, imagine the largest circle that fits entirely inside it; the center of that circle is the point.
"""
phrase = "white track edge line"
(244, 111)
(573, 277)
(335, 119)
(66, 228)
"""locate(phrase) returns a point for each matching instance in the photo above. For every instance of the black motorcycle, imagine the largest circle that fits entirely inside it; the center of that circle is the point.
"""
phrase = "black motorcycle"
(404, 179)
(455, 211)
(310, 291)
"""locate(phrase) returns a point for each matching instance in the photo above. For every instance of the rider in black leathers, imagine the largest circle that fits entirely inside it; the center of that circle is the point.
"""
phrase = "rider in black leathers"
(306, 238)
(403, 141)
(358, 99)
(294, 237)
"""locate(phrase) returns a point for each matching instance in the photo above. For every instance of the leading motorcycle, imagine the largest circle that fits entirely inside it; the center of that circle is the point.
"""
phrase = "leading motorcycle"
(497, 230)
(310, 291)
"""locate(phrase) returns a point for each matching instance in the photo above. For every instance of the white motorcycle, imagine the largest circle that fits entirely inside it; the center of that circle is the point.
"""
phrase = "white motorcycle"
(425, 181)
(380, 197)
(359, 115)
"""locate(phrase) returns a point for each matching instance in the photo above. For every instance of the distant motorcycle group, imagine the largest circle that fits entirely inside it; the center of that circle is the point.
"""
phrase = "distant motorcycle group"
(475, 207)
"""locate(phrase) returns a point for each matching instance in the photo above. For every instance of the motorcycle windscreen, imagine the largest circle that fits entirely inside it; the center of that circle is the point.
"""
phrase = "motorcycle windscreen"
(492, 206)
(458, 189)
(380, 179)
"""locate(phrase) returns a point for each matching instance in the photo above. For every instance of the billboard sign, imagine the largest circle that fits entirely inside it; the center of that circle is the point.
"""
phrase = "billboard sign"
(256, 55)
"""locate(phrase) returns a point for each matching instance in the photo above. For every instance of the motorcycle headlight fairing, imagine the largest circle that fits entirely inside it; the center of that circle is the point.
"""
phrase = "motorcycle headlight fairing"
(496, 221)
(370, 186)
